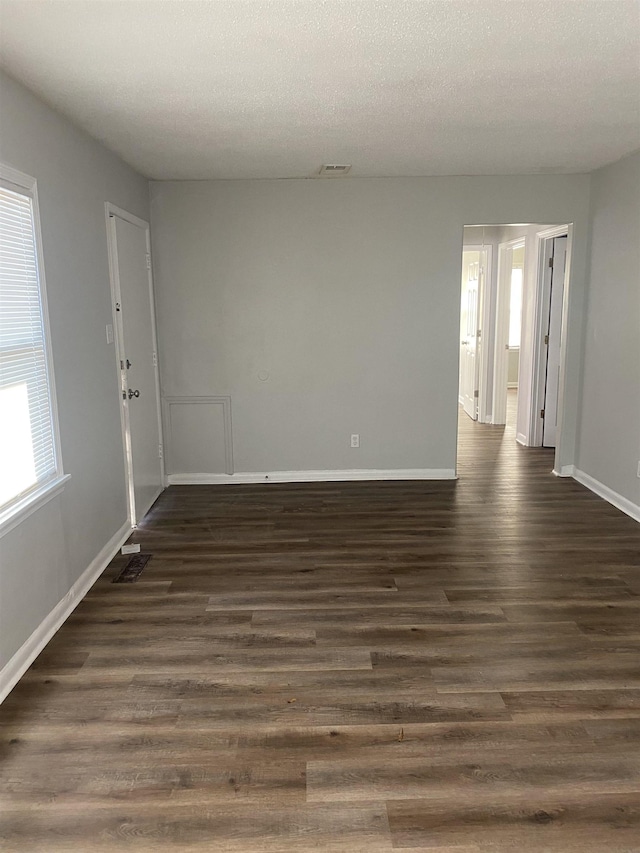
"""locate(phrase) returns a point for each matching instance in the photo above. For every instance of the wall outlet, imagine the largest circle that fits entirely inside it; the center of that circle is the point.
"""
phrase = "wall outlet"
(130, 549)
(355, 440)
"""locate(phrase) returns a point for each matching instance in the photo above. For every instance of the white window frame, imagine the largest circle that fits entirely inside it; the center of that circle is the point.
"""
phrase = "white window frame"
(23, 506)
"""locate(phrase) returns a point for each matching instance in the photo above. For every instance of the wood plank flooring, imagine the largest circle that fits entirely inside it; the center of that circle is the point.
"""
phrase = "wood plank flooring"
(418, 666)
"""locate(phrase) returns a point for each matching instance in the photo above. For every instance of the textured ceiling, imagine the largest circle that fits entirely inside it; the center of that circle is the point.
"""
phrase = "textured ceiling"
(263, 89)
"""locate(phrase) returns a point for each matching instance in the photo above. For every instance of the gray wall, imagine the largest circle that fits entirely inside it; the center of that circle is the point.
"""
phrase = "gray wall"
(609, 447)
(514, 365)
(42, 557)
(346, 294)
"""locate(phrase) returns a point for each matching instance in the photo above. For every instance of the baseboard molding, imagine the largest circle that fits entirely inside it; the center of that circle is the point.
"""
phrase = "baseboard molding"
(617, 500)
(312, 476)
(565, 471)
(521, 438)
(13, 671)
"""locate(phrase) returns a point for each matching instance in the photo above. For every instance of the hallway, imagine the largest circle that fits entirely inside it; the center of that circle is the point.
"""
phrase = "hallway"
(354, 667)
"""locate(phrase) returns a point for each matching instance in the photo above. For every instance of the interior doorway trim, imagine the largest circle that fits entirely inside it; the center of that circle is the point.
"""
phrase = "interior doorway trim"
(111, 210)
(503, 301)
(485, 354)
(543, 249)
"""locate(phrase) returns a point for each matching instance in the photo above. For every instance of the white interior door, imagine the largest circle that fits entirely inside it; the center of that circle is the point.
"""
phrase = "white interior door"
(472, 272)
(506, 252)
(553, 334)
(136, 339)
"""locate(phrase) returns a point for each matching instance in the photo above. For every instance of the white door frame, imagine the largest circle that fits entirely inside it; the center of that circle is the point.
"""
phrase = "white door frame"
(112, 211)
(544, 250)
(484, 366)
(500, 354)
(485, 295)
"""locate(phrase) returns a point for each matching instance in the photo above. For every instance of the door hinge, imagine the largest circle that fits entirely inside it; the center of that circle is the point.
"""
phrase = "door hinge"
(124, 395)
(160, 451)
(148, 256)
(551, 263)
(117, 306)
(546, 340)
(476, 394)
(542, 413)
(479, 334)
(155, 359)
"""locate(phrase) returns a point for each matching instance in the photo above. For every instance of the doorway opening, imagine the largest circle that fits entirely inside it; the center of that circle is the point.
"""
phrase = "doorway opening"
(512, 330)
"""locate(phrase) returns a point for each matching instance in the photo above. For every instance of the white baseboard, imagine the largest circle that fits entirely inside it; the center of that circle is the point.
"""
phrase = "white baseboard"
(565, 471)
(13, 671)
(617, 500)
(521, 438)
(312, 476)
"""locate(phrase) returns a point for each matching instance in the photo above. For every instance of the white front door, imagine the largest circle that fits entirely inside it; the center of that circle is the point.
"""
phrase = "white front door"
(552, 329)
(472, 272)
(137, 354)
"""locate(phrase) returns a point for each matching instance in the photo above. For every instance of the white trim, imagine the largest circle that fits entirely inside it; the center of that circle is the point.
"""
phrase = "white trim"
(15, 668)
(564, 471)
(484, 368)
(15, 176)
(22, 181)
(17, 512)
(501, 348)
(219, 400)
(615, 499)
(483, 354)
(554, 231)
(537, 360)
(564, 335)
(312, 476)
(113, 210)
(521, 438)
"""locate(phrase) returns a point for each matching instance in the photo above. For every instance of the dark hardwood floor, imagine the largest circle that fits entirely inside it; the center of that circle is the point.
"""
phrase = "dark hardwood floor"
(354, 667)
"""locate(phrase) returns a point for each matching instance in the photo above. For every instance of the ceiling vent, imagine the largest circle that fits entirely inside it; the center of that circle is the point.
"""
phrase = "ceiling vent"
(333, 170)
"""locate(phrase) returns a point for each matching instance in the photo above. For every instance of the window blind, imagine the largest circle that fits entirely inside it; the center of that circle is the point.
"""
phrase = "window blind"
(27, 443)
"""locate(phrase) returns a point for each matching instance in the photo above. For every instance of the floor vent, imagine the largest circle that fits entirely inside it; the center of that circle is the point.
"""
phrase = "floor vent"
(133, 569)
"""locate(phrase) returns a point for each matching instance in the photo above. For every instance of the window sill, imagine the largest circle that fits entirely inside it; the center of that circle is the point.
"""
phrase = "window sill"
(15, 515)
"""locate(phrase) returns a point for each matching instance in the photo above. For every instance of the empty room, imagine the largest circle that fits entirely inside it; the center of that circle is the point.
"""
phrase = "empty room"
(320, 426)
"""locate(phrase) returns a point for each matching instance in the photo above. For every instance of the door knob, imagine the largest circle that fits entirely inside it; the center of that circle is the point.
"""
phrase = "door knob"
(133, 393)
